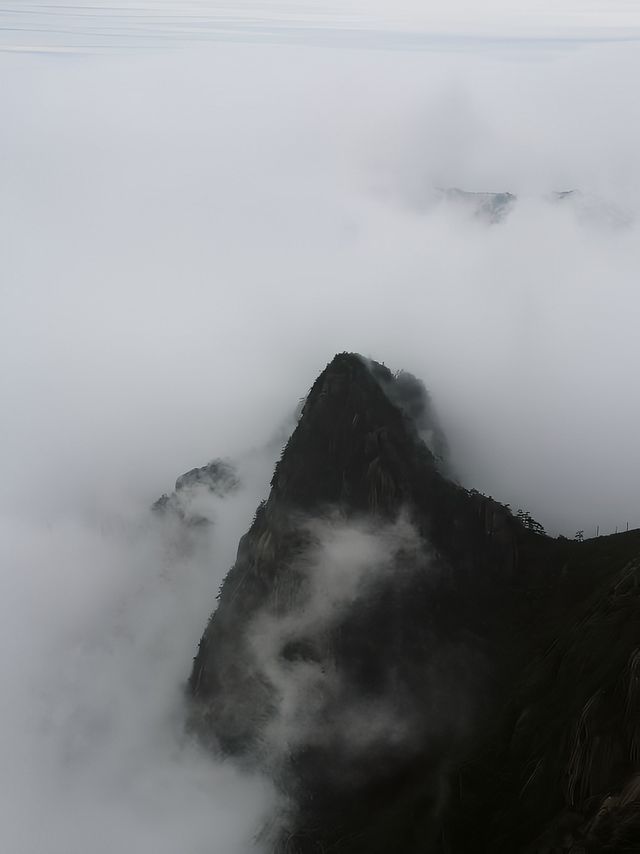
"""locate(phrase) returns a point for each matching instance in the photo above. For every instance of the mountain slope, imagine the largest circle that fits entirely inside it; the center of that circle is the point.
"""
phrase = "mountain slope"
(378, 644)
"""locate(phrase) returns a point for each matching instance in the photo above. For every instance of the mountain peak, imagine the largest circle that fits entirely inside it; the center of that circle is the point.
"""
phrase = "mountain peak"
(378, 635)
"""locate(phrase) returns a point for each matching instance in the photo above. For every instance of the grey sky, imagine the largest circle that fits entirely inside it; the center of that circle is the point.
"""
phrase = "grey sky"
(60, 26)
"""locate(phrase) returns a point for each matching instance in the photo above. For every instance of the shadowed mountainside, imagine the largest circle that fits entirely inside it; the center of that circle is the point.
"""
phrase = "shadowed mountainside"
(416, 668)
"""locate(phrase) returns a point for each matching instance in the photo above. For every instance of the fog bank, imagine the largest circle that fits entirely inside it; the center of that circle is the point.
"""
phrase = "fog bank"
(190, 237)
(187, 239)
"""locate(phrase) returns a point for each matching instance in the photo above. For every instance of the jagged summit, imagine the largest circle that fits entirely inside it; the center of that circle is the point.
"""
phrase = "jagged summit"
(381, 647)
(219, 477)
(355, 442)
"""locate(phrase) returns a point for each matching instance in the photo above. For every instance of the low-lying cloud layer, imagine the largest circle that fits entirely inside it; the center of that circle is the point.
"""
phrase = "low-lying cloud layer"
(100, 619)
(190, 237)
(187, 239)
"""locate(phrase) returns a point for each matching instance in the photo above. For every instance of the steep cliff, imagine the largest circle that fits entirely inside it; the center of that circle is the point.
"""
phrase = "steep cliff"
(416, 668)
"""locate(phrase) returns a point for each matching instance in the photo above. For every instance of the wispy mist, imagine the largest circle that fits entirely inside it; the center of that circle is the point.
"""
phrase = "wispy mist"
(190, 237)
(340, 571)
(100, 619)
(187, 238)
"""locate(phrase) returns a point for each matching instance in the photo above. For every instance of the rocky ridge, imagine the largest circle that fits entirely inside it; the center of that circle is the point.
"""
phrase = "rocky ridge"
(416, 667)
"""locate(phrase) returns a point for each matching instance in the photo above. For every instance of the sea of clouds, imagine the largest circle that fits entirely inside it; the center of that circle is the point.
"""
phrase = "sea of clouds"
(188, 236)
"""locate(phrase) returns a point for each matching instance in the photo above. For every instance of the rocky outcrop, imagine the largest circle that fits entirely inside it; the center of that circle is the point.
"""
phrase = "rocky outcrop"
(416, 668)
(219, 478)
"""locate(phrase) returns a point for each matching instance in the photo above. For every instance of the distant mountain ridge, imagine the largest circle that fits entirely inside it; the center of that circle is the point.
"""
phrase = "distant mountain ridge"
(496, 207)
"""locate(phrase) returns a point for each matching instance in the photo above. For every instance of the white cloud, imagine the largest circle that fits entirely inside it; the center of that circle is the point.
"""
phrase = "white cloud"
(100, 620)
(187, 238)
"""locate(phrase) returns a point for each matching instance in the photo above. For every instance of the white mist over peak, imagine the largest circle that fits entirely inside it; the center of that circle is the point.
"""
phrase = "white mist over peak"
(188, 236)
(344, 564)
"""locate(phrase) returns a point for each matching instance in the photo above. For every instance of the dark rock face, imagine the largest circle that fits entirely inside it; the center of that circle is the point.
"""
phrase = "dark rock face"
(417, 669)
(564, 774)
(410, 395)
